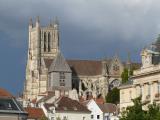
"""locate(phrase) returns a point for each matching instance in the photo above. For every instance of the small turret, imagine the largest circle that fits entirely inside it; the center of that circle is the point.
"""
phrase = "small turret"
(30, 24)
(37, 22)
(56, 23)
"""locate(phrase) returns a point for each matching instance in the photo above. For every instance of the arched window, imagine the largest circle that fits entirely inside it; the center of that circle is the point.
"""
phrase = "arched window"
(44, 42)
(49, 40)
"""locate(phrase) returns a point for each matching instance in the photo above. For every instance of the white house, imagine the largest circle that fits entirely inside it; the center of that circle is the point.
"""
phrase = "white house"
(65, 108)
(106, 111)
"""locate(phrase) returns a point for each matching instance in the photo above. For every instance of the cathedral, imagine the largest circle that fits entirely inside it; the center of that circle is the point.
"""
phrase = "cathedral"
(47, 70)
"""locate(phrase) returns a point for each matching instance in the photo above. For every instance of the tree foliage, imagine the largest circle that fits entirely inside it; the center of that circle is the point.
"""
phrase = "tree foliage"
(125, 74)
(136, 112)
(113, 96)
(43, 118)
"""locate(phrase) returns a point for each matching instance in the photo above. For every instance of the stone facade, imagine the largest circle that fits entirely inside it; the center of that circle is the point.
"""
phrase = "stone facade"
(145, 81)
(60, 75)
(46, 66)
(43, 44)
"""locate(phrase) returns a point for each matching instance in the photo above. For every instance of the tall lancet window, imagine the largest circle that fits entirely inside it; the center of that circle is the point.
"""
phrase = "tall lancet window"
(49, 42)
(44, 42)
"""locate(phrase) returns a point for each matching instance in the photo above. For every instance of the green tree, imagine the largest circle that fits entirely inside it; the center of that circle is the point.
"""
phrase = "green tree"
(58, 118)
(43, 118)
(125, 74)
(113, 96)
(153, 112)
(136, 112)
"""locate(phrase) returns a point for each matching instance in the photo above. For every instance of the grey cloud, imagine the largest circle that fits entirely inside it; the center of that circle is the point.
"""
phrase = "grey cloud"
(100, 20)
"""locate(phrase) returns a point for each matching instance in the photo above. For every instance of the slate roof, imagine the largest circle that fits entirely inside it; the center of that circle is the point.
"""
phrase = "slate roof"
(108, 108)
(88, 67)
(34, 113)
(67, 104)
(59, 64)
(9, 105)
(85, 67)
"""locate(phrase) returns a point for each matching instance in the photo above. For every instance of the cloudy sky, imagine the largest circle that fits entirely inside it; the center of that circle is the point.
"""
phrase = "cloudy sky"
(89, 29)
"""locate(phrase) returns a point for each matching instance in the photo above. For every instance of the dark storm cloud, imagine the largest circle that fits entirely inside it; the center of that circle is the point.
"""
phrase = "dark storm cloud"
(89, 29)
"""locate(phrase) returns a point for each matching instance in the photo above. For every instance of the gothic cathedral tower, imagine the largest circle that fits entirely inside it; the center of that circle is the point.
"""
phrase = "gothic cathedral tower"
(43, 44)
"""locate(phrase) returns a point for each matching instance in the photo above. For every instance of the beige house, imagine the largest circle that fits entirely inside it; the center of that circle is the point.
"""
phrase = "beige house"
(145, 81)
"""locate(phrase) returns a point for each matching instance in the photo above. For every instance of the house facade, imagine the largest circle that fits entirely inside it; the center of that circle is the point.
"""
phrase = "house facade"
(105, 111)
(65, 108)
(145, 81)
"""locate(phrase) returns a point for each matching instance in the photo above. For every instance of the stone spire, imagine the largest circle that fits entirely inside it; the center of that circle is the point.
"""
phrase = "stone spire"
(37, 21)
(30, 23)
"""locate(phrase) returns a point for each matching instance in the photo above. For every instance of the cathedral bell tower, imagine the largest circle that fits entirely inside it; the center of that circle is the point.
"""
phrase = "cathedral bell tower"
(43, 44)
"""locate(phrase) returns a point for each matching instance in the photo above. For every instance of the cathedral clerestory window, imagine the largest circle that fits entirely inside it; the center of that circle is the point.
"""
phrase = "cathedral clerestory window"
(44, 42)
(49, 42)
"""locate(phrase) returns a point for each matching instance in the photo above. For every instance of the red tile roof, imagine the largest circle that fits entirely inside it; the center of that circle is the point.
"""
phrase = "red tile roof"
(100, 100)
(5, 93)
(67, 104)
(34, 113)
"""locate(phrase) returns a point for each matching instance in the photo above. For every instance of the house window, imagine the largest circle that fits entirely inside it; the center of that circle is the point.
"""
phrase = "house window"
(158, 87)
(98, 116)
(122, 98)
(52, 118)
(149, 89)
(140, 90)
(62, 75)
(62, 79)
(92, 116)
(64, 118)
(130, 94)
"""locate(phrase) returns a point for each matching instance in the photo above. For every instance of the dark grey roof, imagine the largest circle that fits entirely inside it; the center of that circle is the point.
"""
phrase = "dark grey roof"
(59, 64)
(108, 108)
(9, 105)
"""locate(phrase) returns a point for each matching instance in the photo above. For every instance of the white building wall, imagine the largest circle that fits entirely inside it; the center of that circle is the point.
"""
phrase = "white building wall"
(73, 115)
(95, 110)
